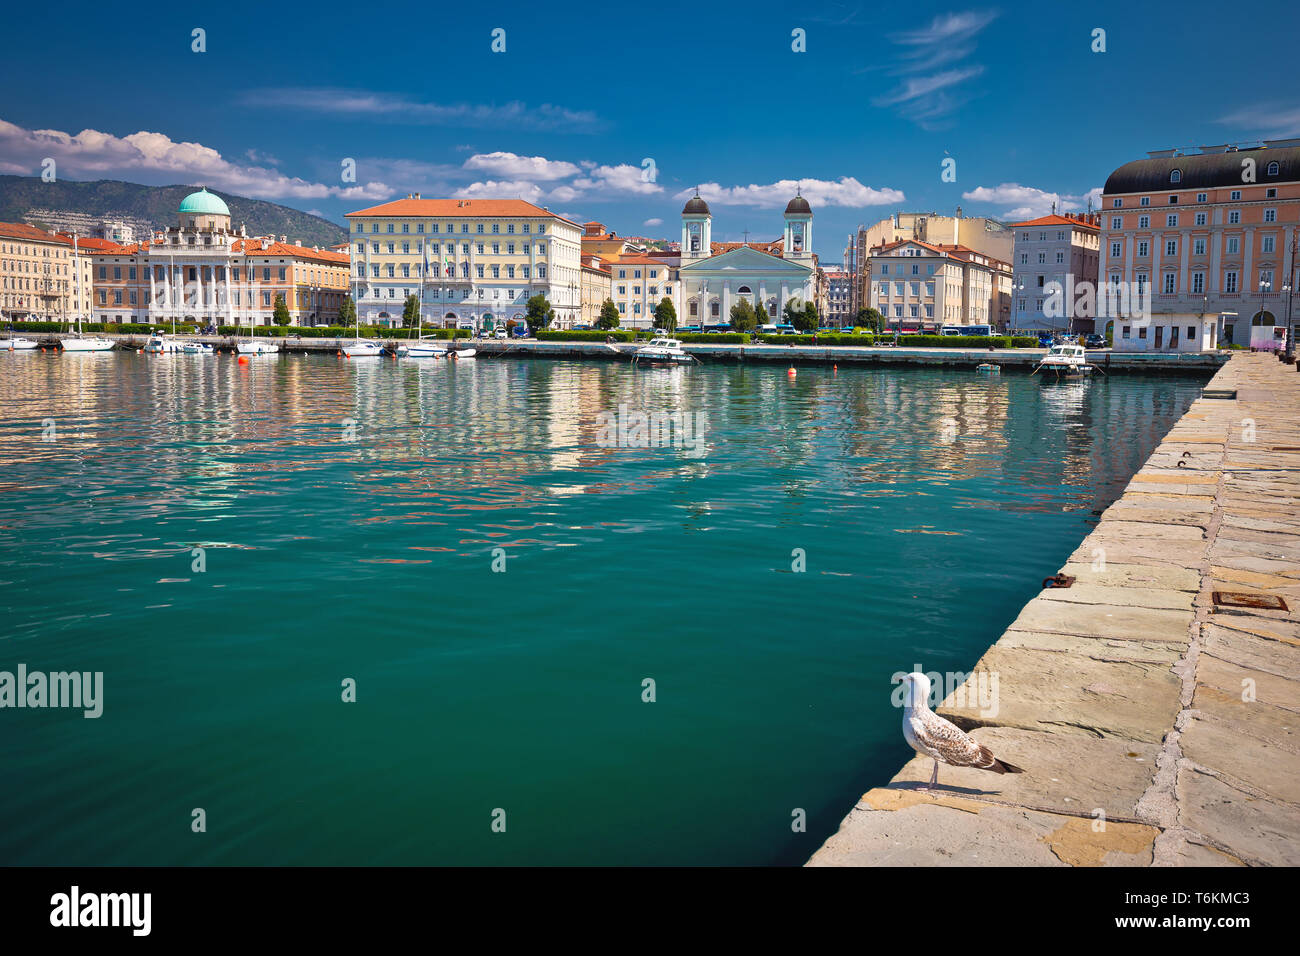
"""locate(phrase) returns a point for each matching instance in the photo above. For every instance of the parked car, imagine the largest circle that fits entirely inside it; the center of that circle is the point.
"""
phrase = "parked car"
(1094, 341)
(499, 332)
(582, 328)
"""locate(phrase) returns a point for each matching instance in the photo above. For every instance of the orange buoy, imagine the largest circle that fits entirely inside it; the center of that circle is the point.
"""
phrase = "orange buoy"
(791, 372)
(243, 360)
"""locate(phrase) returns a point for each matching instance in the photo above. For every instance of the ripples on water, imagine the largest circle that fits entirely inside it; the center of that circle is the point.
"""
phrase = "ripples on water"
(929, 505)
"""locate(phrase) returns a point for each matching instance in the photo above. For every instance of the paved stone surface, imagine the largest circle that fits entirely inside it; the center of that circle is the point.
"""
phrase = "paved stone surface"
(1155, 726)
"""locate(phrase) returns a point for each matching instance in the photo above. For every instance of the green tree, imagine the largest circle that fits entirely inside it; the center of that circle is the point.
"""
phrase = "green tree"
(539, 312)
(281, 314)
(411, 312)
(743, 318)
(347, 312)
(810, 319)
(666, 315)
(608, 318)
(761, 317)
(870, 318)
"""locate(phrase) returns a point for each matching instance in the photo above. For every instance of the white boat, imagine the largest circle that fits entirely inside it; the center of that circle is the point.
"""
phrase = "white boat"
(158, 343)
(1065, 359)
(363, 348)
(197, 348)
(86, 344)
(461, 353)
(662, 351)
(426, 346)
(257, 348)
(18, 344)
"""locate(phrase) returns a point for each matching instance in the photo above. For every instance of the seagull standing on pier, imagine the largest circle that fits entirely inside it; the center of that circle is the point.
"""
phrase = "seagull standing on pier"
(932, 736)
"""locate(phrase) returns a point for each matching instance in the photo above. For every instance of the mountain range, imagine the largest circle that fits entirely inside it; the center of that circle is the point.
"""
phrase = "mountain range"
(29, 199)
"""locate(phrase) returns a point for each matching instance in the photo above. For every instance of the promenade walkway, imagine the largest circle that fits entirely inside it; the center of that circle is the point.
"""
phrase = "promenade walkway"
(1156, 717)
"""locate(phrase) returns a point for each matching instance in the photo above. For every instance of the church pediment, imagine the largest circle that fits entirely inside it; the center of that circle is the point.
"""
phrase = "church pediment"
(746, 261)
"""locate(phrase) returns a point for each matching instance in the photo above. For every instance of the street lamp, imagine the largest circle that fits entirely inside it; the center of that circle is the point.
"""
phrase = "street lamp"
(1264, 286)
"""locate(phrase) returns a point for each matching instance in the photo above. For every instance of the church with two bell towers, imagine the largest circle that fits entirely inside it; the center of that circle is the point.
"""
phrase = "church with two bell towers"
(712, 280)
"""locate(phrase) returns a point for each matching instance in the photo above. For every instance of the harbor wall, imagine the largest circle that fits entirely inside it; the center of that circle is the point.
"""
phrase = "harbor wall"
(1154, 704)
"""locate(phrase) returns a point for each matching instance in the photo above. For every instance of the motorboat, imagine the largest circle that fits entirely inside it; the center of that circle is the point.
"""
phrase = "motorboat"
(92, 343)
(159, 343)
(1065, 359)
(17, 344)
(989, 367)
(661, 351)
(362, 348)
(197, 348)
(459, 354)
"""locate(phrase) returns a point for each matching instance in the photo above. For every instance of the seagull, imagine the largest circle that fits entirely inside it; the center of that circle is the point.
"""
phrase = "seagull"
(932, 736)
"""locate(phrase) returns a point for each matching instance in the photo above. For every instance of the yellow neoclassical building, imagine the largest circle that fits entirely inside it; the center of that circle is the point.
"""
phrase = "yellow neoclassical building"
(472, 262)
(42, 276)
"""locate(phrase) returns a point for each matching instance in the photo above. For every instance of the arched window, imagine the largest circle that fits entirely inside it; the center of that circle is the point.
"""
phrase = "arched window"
(744, 290)
(1272, 169)
(1176, 176)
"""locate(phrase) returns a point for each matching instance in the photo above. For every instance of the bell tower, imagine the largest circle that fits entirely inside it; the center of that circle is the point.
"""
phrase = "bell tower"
(798, 230)
(697, 229)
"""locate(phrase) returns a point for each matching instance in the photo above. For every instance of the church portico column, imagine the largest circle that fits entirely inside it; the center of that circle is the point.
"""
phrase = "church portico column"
(726, 301)
(785, 297)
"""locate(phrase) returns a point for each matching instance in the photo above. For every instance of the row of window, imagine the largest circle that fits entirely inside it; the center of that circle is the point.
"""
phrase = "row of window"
(392, 292)
(1176, 175)
(1231, 246)
(1201, 219)
(435, 271)
(479, 228)
(1233, 196)
(436, 248)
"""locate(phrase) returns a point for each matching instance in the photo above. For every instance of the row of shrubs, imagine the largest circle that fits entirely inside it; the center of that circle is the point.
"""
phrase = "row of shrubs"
(595, 335)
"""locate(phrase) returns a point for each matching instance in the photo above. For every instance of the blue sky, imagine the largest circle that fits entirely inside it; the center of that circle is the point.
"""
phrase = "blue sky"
(713, 94)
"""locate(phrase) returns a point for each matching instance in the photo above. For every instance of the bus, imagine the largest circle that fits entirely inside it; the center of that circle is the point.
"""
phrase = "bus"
(966, 330)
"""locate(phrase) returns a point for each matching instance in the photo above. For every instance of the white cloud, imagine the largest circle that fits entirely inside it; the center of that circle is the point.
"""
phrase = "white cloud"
(621, 179)
(391, 107)
(930, 95)
(520, 167)
(653, 222)
(846, 191)
(1029, 202)
(500, 189)
(1268, 121)
(155, 157)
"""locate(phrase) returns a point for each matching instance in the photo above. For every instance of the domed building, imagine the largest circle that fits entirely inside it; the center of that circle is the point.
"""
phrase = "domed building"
(715, 276)
(204, 272)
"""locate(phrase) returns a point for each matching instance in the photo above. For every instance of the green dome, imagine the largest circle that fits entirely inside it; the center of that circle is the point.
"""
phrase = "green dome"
(204, 203)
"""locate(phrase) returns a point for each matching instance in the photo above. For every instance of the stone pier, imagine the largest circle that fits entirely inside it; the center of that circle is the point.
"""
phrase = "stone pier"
(1155, 703)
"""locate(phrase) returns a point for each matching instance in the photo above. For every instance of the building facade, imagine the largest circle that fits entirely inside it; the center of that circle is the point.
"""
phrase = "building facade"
(638, 283)
(595, 290)
(838, 312)
(921, 287)
(1205, 243)
(43, 277)
(1054, 254)
(472, 262)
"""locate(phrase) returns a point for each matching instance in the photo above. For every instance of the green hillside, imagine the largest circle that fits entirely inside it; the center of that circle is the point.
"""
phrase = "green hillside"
(157, 205)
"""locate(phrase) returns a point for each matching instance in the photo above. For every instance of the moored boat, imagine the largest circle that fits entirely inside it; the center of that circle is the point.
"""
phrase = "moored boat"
(1065, 359)
(661, 351)
(17, 344)
(362, 348)
(253, 347)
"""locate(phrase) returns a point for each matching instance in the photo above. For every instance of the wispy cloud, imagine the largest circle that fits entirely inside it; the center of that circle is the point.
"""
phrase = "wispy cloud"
(1267, 121)
(396, 108)
(846, 191)
(527, 167)
(156, 159)
(1029, 202)
(934, 83)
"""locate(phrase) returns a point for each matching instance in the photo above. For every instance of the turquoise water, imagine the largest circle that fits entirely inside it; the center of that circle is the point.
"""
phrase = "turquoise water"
(929, 505)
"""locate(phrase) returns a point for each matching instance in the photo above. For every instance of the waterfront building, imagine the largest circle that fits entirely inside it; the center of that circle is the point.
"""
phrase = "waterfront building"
(42, 276)
(1054, 252)
(471, 261)
(986, 236)
(838, 288)
(597, 241)
(710, 282)
(1209, 235)
(921, 287)
(595, 290)
(203, 271)
(638, 283)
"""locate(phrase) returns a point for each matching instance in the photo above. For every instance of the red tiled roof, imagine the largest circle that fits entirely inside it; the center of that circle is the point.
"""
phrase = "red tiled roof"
(253, 247)
(20, 230)
(1055, 220)
(634, 260)
(462, 208)
(94, 246)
